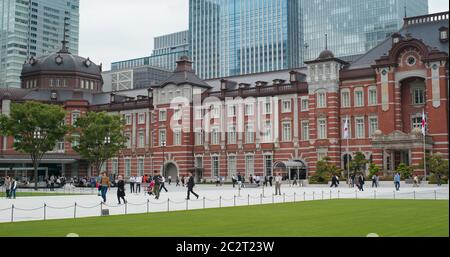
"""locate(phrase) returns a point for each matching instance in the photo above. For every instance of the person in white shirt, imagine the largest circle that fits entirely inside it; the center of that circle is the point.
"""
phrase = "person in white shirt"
(163, 181)
(138, 184)
(278, 180)
(132, 182)
(257, 180)
(170, 180)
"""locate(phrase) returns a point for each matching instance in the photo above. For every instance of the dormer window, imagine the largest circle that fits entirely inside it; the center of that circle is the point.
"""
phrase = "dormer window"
(443, 34)
(396, 38)
(54, 96)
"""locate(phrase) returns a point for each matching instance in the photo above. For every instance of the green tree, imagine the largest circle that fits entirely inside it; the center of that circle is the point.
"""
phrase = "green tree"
(373, 169)
(405, 171)
(325, 170)
(358, 164)
(100, 137)
(36, 129)
(435, 164)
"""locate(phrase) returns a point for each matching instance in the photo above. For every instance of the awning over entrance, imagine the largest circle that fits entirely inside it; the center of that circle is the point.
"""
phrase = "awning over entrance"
(48, 158)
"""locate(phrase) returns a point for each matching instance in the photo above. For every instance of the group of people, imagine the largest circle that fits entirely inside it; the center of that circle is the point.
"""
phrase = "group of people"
(10, 185)
(357, 180)
(253, 180)
(52, 181)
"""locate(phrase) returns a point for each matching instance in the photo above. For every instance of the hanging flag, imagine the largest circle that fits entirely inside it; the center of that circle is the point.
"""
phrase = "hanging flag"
(346, 134)
(424, 124)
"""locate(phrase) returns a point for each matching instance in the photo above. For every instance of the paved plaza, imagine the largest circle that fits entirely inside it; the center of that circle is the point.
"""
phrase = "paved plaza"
(88, 205)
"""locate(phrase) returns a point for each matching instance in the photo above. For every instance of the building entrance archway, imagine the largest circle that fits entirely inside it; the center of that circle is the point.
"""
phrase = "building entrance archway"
(171, 170)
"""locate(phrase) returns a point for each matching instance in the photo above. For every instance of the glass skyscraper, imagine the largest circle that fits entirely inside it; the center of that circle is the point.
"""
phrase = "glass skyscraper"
(32, 28)
(234, 37)
(353, 26)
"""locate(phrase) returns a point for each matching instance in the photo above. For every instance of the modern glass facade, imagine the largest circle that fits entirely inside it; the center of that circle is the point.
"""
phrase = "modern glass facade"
(170, 43)
(235, 37)
(32, 28)
(353, 26)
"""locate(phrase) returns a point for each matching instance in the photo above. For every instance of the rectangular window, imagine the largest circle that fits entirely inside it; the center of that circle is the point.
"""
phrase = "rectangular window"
(359, 123)
(127, 168)
(249, 134)
(140, 167)
(305, 130)
(267, 107)
(418, 96)
(268, 132)
(198, 137)
(305, 105)
(198, 113)
(162, 115)
(177, 136)
(215, 166)
(416, 122)
(249, 165)
(373, 98)
(345, 99)
(322, 129)
(115, 166)
(75, 140)
(232, 135)
(232, 111)
(199, 162)
(286, 132)
(373, 125)
(321, 155)
(75, 116)
(231, 165)
(162, 137)
(215, 112)
(177, 114)
(128, 120)
(359, 98)
(215, 136)
(128, 136)
(286, 106)
(249, 109)
(268, 165)
(141, 140)
(321, 100)
(141, 118)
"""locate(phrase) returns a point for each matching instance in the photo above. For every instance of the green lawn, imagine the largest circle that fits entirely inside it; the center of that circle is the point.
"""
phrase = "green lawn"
(28, 194)
(355, 218)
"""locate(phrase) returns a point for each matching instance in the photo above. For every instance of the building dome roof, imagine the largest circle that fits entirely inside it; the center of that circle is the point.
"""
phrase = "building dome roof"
(326, 54)
(62, 61)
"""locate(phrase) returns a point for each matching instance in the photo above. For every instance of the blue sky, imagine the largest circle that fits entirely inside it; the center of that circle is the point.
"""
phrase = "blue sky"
(113, 30)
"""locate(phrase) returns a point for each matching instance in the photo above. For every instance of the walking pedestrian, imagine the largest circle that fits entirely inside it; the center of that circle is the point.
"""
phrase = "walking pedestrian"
(182, 181)
(157, 186)
(170, 180)
(439, 179)
(416, 181)
(190, 185)
(251, 179)
(270, 180)
(233, 180)
(138, 184)
(334, 181)
(217, 181)
(397, 179)
(239, 180)
(278, 180)
(12, 193)
(257, 180)
(132, 183)
(121, 190)
(105, 183)
(375, 181)
(7, 186)
(177, 181)
(163, 184)
(361, 181)
(266, 181)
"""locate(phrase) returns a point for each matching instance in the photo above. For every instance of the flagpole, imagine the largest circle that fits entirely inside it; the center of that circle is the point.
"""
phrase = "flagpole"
(348, 154)
(424, 128)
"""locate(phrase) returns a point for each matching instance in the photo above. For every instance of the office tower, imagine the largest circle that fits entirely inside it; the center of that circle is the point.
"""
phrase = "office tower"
(235, 37)
(32, 28)
(353, 27)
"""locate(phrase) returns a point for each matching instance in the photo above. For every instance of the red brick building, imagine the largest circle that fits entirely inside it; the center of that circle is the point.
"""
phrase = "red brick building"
(252, 124)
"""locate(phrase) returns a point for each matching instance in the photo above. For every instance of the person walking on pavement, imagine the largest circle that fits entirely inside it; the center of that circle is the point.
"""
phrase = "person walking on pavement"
(233, 180)
(439, 178)
(157, 187)
(190, 185)
(375, 181)
(132, 183)
(239, 180)
(7, 186)
(121, 190)
(182, 181)
(361, 181)
(163, 184)
(278, 180)
(170, 180)
(105, 183)
(397, 179)
(334, 181)
(177, 181)
(12, 193)
(138, 184)
(270, 180)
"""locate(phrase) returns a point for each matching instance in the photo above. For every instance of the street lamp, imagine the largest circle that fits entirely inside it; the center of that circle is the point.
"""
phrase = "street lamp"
(107, 141)
(163, 144)
(37, 135)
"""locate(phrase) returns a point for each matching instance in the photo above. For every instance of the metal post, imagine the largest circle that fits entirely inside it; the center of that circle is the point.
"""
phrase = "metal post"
(12, 213)
(304, 196)
(330, 195)
(45, 211)
(435, 195)
(220, 201)
(313, 195)
(339, 192)
(394, 194)
(234, 201)
(284, 197)
(187, 204)
(248, 200)
(261, 199)
(294, 196)
(126, 208)
(148, 205)
(168, 204)
(356, 194)
(263, 190)
(375, 194)
(273, 198)
(204, 202)
(75, 210)
(414, 194)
